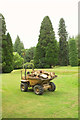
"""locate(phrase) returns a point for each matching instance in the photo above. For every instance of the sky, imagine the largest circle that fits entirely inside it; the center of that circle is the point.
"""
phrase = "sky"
(24, 17)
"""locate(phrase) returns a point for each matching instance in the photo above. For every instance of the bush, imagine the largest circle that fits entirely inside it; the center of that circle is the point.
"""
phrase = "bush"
(18, 60)
(32, 61)
(47, 66)
(78, 62)
(29, 65)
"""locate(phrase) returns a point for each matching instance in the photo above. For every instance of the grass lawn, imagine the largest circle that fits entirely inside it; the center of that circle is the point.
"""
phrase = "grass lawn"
(63, 103)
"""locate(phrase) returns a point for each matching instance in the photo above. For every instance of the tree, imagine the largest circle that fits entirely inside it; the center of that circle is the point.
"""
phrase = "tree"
(0, 43)
(63, 44)
(23, 52)
(52, 54)
(79, 46)
(18, 60)
(18, 45)
(73, 54)
(7, 54)
(2, 34)
(29, 54)
(7, 48)
(77, 39)
(46, 49)
(3, 24)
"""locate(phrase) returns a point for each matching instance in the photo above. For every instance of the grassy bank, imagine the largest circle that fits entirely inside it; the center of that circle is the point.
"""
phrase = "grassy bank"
(63, 103)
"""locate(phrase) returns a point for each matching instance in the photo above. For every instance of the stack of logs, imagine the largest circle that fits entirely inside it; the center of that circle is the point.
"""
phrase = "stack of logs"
(42, 74)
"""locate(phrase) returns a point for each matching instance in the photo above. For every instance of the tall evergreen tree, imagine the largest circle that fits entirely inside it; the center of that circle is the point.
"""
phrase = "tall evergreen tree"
(18, 45)
(7, 48)
(46, 49)
(73, 53)
(63, 44)
(2, 33)
(7, 54)
(0, 43)
(78, 46)
(3, 24)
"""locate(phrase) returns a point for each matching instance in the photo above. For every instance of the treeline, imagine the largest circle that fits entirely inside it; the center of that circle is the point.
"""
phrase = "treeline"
(47, 53)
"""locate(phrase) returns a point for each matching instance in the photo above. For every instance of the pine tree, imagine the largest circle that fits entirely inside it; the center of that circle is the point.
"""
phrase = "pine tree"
(46, 49)
(63, 44)
(3, 24)
(18, 45)
(78, 45)
(7, 49)
(0, 43)
(73, 54)
(7, 54)
(2, 34)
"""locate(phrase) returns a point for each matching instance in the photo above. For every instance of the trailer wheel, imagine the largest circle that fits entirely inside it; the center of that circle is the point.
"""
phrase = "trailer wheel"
(38, 90)
(53, 87)
(24, 87)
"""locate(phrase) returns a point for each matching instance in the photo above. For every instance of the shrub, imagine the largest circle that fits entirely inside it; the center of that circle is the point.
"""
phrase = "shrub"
(78, 62)
(29, 65)
(18, 60)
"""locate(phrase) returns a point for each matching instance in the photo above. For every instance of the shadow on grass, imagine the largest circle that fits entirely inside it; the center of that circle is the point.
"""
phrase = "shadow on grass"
(46, 93)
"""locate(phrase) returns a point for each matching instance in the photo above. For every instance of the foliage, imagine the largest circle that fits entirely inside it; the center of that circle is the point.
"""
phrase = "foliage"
(32, 61)
(23, 52)
(78, 62)
(52, 54)
(7, 48)
(77, 38)
(29, 65)
(18, 45)
(46, 49)
(3, 25)
(79, 46)
(63, 45)
(73, 55)
(29, 54)
(18, 60)
(7, 54)
(0, 43)
(2, 34)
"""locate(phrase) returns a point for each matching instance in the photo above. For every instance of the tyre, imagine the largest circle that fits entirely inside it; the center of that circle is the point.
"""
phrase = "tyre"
(53, 87)
(38, 90)
(24, 87)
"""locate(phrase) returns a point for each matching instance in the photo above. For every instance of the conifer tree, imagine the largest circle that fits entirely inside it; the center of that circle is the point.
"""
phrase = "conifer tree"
(3, 24)
(78, 45)
(7, 48)
(2, 35)
(73, 53)
(18, 45)
(7, 54)
(46, 49)
(0, 43)
(63, 44)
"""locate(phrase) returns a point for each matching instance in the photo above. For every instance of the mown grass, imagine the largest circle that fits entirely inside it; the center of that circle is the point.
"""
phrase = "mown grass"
(63, 103)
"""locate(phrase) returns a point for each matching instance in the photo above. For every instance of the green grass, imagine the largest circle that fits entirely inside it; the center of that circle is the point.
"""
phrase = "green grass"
(63, 103)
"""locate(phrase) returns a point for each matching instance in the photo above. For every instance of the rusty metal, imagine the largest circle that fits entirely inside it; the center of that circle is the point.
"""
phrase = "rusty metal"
(38, 77)
(25, 74)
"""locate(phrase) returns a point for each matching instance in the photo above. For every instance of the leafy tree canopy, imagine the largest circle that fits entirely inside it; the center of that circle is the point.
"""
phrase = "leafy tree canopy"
(18, 60)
